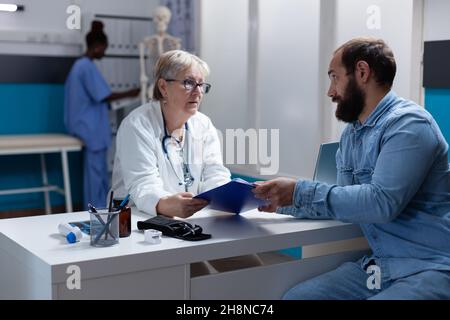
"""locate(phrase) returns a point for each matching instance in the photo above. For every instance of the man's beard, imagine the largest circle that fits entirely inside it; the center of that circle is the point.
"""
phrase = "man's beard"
(351, 105)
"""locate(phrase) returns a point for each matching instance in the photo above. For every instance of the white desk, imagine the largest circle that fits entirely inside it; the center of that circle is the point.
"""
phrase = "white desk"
(34, 258)
(42, 144)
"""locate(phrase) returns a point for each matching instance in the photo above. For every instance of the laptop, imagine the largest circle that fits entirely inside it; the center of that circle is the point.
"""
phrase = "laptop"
(325, 170)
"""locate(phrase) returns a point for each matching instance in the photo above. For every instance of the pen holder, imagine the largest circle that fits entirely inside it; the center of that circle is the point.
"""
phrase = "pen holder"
(104, 228)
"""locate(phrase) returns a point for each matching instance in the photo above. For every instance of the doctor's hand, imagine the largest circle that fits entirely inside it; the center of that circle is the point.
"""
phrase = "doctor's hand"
(278, 192)
(181, 205)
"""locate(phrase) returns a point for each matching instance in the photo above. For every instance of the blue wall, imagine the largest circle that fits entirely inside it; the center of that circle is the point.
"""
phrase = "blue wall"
(30, 109)
(437, 102)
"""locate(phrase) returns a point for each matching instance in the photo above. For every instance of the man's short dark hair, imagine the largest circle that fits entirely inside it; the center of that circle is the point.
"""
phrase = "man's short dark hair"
(376, 53)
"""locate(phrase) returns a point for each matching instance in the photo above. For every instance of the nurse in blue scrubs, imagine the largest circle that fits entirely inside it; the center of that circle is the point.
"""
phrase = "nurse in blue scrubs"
(86, 107)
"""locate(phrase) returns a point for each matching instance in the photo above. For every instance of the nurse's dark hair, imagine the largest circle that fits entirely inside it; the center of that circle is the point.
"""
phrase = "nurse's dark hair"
(96, 34)
(375, 52)
(171, 63)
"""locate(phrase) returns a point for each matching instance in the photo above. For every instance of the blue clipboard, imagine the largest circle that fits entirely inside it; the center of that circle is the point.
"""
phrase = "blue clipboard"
(235, 196)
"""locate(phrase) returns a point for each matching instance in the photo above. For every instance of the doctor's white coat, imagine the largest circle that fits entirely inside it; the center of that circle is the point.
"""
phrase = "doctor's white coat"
(145, 171)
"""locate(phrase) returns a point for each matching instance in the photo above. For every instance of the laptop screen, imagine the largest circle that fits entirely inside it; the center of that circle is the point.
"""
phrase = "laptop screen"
(326, 163)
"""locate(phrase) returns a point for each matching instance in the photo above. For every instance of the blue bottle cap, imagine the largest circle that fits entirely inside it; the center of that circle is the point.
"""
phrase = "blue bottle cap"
(71, 237)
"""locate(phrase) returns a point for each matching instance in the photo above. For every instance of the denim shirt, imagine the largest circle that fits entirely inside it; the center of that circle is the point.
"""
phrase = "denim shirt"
(394, 181)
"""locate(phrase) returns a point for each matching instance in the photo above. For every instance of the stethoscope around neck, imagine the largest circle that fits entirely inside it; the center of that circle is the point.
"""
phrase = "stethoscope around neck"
(188, 179)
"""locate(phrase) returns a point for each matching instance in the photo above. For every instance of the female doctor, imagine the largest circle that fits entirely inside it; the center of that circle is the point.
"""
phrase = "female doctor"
(167, 151)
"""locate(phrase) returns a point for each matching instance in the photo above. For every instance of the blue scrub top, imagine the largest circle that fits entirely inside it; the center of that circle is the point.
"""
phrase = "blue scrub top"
(85, 111)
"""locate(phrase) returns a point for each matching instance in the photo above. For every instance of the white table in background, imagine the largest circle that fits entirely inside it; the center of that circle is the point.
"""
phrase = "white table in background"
(35, 261)
(42, 144)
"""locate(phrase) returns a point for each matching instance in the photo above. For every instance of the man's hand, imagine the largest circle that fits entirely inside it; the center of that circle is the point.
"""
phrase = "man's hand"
(278, 192)
(180, 205)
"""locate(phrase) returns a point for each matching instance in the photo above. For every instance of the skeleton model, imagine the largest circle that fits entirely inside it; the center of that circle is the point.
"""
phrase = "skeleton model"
(155, 45)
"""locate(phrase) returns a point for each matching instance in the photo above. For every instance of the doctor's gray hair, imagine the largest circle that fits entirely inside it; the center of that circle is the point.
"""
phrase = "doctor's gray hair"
(171, 63)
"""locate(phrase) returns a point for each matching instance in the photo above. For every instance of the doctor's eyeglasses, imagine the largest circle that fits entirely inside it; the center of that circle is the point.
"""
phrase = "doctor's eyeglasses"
(190, 85)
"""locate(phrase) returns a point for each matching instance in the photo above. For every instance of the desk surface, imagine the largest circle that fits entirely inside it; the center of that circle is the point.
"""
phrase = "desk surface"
(36, 239)
(38, 143)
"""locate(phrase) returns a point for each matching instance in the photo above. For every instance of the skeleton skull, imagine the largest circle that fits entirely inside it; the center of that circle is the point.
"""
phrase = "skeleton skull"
(161, 17)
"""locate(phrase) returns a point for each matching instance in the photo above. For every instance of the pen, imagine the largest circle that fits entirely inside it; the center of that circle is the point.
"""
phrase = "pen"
(124, 201)
(92, 208)
(108, 221)
(110, 201)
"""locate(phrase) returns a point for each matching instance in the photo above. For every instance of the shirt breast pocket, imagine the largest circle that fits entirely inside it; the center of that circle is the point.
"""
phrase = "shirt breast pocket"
(363, 176)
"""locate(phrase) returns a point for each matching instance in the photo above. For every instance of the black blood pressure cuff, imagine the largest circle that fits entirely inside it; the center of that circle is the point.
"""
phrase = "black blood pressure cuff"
(174, 228)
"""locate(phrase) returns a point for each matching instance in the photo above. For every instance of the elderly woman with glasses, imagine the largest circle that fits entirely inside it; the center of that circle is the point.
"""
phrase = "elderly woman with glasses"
(167, 151)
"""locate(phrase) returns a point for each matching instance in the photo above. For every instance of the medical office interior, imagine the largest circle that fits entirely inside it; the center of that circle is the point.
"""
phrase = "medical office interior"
(268, 62)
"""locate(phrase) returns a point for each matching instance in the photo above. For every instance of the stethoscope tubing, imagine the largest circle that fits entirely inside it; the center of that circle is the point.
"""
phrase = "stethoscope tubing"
(184, 181)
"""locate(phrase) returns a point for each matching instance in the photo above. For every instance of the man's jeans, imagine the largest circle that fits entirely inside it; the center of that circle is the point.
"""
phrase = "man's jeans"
(350, 281)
